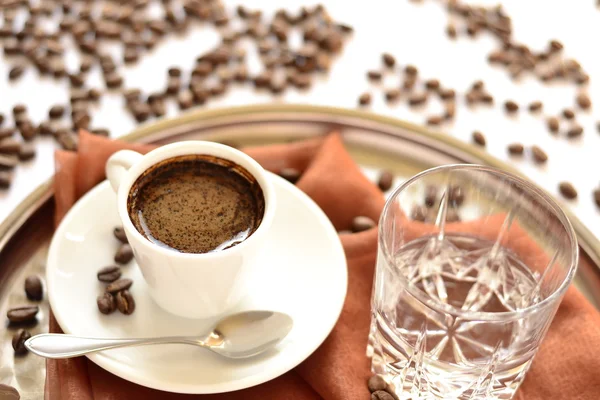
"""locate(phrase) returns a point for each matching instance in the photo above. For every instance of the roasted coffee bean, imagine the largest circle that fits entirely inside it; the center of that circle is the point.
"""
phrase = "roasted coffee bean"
(364, 99)
(374, 76)
(409, 82)
(1, 119)
(450, 110)
(130, 55)
(418, 213)
(6, 132)
(22, 314)
(173, 85)
(417, 99)
(479, 138)
(16, 72)
(434, 120)
(158, 107)
(67, 139)
(292, 175)
(106, 303)
(220, 88)
(19, 109)
(392, 95)
(515, 149)
(362, 223)
(124, 254)
(535, 106)
(385, 180)
(553, 124)
(477, 85)
(432, 84)
(101, 132)
(141, 111)
(77, 80)
(18, 343)
(277, 86)
(555, 46)
(375, 383)
(86, 65)
(575, 131)
(240, 73)
(511, 107)
(125, 302)
(456, 196)
(451, 31)
(109, 274)
(132, 95)
(10, 146)
(33, 288)
(28, 132)
(5, 179)
(185, 99)
(93, 94)
(568, 113)
(539, 155)
(381, 395)
(119, 285)
(567, 190)
(113, 80)
(411, 70)
(583, 101)
(56, 112)
(7, 162)
(8, 392)
(81, 120)
(299, 80)
(174, 71)
(388, 60)
(430, 196)
(447, 94)
(596, 195)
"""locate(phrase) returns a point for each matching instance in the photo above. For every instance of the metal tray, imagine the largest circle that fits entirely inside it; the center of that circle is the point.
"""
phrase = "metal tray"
(374, 141)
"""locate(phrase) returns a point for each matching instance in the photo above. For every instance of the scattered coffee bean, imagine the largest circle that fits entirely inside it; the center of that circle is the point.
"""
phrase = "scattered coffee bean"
(292, 175)
(364, 99)
(119, 233)
(575, 131)
(385, 180)
(106, 303)
(447, 94)
(185, 99)
(16, 72)
(33, 288)
(125, 302)
(392, 95)
(479, 138)
(8, 392)
(515, 149)
(141, 111)
(93, 94)
(56, 112)
(553, 124)
(113, 81)
(450, 110)
(22, 314)
(568, 113)
(388, 60)
(535, 106)
(411, 70)
(119, 285)
(456, 196)
(5, 179)
(539, 155)
(374, 76)
(67, 139)
(109, 274)
(417, 99)
(434, 120)
(567, 190)
(432, 84)
(77, 80)
(10, 146)
(381, 395)
(477, 85)
(362, 223)
(596, 195)
(124, 254)
(583, 101)
(511, 106)
(19, 109)
(18, 343)
(6, 132)
(375, 383)
(419, 213)
(7, 162)
(451, 31)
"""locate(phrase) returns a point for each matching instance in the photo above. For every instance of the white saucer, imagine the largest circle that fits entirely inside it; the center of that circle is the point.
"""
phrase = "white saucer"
(303, 274)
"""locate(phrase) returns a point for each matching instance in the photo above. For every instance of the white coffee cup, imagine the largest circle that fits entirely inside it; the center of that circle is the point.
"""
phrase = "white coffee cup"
(191, 285)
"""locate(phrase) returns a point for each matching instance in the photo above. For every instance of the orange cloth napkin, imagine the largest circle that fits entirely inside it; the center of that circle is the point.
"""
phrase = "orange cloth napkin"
(567, 366)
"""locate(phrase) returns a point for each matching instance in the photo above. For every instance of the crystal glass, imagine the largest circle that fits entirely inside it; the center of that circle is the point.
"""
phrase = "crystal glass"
(471, 267)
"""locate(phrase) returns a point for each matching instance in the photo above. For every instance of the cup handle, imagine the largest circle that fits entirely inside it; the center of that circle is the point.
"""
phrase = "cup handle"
(118, 164)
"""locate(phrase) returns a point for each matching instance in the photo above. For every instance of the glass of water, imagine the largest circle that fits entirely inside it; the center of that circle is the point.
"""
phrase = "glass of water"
(471, 267)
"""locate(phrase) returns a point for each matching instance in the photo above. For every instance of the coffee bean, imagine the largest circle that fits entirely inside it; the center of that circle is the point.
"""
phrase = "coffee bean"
(1, 119)
(583, 101)
(22, 314)
(6, 132)
(432, 84)
(418, 213)
(33, 288)
(141, 111)
(477, 85)
(10, 146)
(56, 112)
(479, 138)
(450, 110)
(381, 395)
(8, 392)
(411, 70)
(417, 99)
(567, 190)
(16, 72)
(292, 175)
(125, 302)
(106, 303)
(86, 65)
(173, 85)
(119, 233)
(19, 109)
(124, 254)
(28, 132)
(119, 285)
(18, 343)
(555, 46)
(5, 179)
(67, 139)
(93, 94)
(77, 80)
(385, 180)
(185, 99)
(375, 383)
(7, 162)
(568, 113)
(575, 131)
(109, 274)
(539, 155)
(392, 95)
(553, 124)
(362, 223)
(447, 94)
(451, 31)
(456, 196)
(535, 106)
(515, 149)
(374, 76)
(511, 107)
(101, 132)
(388, 60)
(364, 99)
(430, 196)
(113, 80)
(596, 195)
(434, 120)
(130, 55)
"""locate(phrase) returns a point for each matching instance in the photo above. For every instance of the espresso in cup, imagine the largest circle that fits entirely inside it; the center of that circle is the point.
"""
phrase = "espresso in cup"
(196, 204)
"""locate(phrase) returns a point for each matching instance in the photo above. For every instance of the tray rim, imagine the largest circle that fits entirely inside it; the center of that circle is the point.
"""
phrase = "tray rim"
(16, 218)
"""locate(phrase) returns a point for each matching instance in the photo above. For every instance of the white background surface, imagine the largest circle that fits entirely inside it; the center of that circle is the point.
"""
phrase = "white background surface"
(414, 33)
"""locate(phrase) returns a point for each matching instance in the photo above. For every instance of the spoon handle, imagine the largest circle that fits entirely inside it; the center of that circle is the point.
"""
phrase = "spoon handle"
(52, 345)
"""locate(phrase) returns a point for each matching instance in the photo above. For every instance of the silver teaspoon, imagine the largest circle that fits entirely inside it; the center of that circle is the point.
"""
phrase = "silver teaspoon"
(237, 336)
